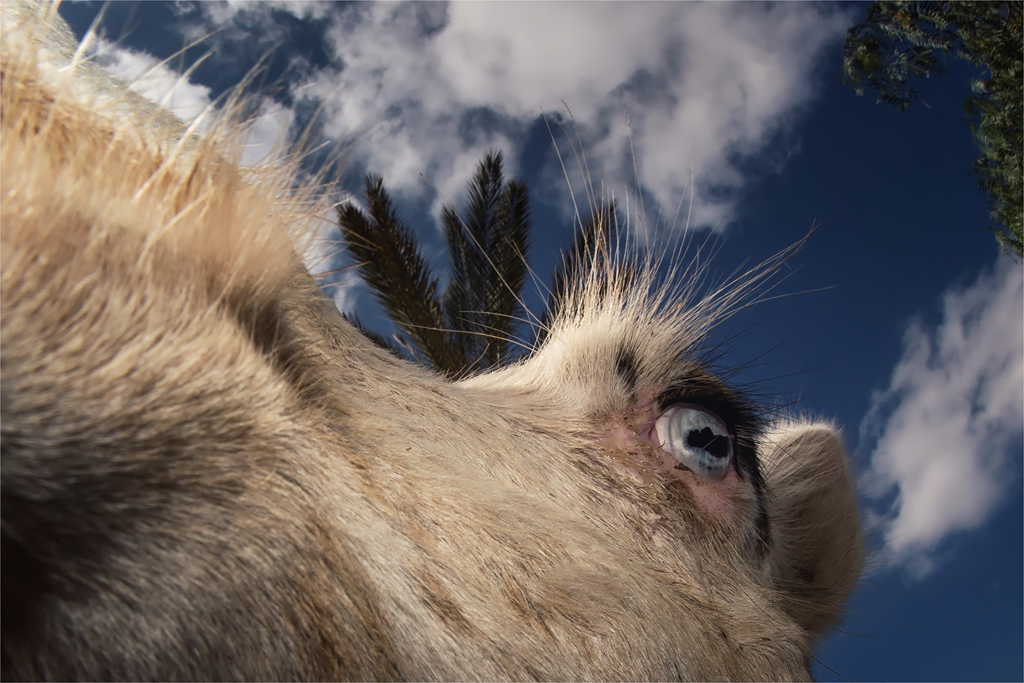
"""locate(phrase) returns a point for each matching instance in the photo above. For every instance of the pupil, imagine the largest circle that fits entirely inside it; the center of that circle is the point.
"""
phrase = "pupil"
(707, 440)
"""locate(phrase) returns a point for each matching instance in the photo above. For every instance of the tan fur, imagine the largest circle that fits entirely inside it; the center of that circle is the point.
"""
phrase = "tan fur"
(207, 473)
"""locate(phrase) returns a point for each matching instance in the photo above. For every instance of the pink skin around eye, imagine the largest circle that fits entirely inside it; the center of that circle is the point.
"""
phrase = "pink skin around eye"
(632, 446)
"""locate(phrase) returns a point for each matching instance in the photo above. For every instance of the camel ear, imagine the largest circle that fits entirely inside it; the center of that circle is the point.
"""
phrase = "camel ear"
(817, 552)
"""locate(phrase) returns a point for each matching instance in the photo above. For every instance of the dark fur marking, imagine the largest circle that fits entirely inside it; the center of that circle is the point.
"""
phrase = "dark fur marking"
(626, 368)
(441, 603)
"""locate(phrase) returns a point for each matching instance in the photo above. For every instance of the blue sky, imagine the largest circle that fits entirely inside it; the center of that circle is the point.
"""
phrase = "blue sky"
(904, 323)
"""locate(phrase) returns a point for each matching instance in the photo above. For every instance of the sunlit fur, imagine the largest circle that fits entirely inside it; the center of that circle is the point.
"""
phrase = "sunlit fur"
(208, 473)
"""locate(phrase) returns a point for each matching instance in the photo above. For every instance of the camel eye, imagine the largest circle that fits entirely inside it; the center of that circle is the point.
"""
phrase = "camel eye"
(697, 438)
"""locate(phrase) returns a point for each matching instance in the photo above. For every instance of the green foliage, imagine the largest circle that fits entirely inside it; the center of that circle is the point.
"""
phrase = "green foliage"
(487, 253)
(590, 251)
(391, 262)
(901, 41)
(473, 323)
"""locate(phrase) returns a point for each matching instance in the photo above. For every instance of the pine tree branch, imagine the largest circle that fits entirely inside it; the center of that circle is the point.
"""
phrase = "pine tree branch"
(390, 262)
(509, 254)
(487, 251)
(591, 249)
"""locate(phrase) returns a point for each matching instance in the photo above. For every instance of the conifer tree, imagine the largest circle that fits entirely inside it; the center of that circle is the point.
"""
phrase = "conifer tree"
(487, 252)
(901, 41)
(474, 323)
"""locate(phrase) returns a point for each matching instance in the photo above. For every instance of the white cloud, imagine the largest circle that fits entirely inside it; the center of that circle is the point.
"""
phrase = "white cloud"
(300, 8)
(266, 134)
(419, 91)
(346, 291)
(702, 84)
(947, 431)
(155, 81)
(324, 243)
